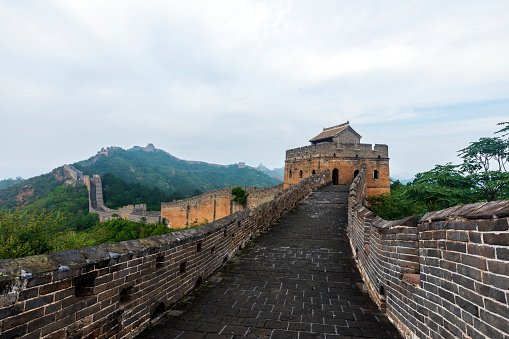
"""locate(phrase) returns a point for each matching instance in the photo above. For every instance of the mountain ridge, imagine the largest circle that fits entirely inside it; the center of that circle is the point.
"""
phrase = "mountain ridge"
(148, 166)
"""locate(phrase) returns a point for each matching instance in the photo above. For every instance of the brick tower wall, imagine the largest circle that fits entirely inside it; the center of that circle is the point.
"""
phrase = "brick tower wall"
(346, 158)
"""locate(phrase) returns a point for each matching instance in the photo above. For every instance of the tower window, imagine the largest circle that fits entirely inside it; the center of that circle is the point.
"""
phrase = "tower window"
(375, 174)
(300, 174)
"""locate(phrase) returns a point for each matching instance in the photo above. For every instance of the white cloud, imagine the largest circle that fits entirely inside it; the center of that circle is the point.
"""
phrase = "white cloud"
(197, 77)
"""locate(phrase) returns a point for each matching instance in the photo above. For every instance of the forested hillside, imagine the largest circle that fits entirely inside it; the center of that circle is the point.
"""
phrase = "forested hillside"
(170, 174)
(26, 192)
(9, 182)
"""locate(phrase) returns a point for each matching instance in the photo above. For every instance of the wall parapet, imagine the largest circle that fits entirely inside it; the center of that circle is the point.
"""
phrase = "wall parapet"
(340, 149)
(114, 290)
(445, 275)
(212, 205)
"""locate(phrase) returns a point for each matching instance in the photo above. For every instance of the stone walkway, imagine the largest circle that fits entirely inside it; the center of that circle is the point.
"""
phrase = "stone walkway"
(298, 280)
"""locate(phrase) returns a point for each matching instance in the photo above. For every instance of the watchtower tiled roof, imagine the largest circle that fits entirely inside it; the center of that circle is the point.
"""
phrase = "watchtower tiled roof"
(329, 132)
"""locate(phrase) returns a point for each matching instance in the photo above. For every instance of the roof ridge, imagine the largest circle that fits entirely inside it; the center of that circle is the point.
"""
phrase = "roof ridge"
(337, 126)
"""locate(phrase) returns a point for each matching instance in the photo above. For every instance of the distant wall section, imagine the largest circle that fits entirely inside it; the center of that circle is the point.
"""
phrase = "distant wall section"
(212, 205)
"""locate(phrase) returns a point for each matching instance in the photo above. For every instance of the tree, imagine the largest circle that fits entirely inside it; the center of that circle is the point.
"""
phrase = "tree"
(486, 163)
(504, 129)
(441, 187)
(396, 205)
(240, 195)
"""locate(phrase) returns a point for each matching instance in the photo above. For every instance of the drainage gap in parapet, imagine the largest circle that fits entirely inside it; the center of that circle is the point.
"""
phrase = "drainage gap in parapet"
(158, 311)
(126, 294)
(160, 261)
(84, 284)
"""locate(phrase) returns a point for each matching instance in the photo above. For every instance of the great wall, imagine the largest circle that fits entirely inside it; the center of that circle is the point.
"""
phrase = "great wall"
(443, 276)
(210, 206)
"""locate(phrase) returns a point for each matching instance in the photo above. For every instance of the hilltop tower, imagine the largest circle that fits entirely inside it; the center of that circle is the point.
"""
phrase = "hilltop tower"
(338, 149)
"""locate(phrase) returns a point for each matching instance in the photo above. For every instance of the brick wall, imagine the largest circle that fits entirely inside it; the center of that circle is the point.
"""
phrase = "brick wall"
(113, 290)
(212, 205)
(346, 158)
(444, 276)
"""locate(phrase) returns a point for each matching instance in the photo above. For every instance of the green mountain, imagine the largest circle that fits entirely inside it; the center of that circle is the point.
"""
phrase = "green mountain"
(26, 192)
(148, 172)
(278, 173)
(156, 168)
(9, 182)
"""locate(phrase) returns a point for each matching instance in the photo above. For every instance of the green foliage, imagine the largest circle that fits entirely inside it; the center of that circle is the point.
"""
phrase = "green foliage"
(9, 182)
(195, 223)
(482, 176)
(505, 129)
(170, 174)
(395, 205)
(24, 234)
(440, 188)
(480, 157)
(117, 193)
(28, 191)
(121, 230)
(240, 195)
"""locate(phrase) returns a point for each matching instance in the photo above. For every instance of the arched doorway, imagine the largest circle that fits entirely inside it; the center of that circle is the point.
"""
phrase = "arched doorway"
(335, 176)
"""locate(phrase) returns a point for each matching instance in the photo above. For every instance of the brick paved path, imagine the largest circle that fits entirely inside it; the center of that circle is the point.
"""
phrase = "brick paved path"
(297, 280)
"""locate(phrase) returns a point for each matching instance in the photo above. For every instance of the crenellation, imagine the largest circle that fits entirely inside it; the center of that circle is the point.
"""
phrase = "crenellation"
(439, 274)
(113, 290)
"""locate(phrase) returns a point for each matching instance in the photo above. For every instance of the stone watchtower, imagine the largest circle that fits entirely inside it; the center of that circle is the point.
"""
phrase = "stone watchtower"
(338, 149)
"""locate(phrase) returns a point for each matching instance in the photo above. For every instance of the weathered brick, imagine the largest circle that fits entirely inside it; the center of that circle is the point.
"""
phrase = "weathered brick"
(38, 302)
(493, 225)
(496, 238)
(28, 293)
(456, 246)
(39, 280)
(496, 324)
(22, 318)
(474, 261)
(14, 332)
(498, 281)
(463, 281)
(467, 306)
(481, 250)
(11, 310)
(469, 271)
(491, 292)
(496, 307)
(53, 308)
(40, 322)
(498, 267)
(50, 288)
(502, 253)
(457, 236)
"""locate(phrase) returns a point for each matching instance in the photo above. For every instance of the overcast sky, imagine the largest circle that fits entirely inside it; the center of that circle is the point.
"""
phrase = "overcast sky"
(230, 81)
